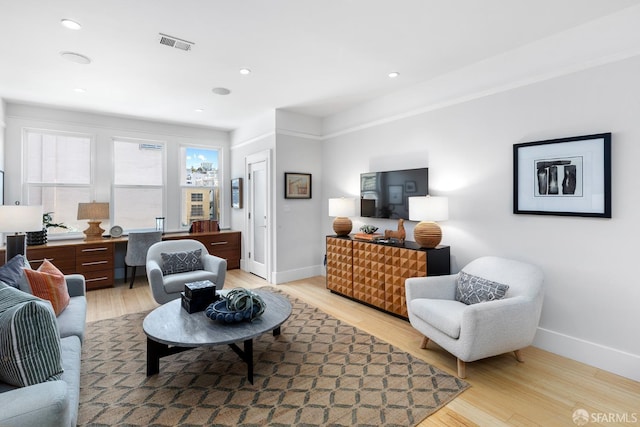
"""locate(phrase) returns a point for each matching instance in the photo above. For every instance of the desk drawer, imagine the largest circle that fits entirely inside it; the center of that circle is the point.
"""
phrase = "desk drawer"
(98, 279)
(64, 258)
(224, 245)
(95, 262)
(104, 250)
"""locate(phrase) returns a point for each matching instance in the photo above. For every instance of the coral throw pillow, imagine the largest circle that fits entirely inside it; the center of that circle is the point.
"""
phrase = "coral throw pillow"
(48, 283)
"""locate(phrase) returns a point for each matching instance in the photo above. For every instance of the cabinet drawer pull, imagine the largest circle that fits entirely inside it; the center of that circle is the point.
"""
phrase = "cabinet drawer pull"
(95, 249)
(95, 263)
(218, 243)
(97, 279)
(41, 260)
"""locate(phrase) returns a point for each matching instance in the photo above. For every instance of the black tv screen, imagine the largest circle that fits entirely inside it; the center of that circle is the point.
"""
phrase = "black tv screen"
(385, 194)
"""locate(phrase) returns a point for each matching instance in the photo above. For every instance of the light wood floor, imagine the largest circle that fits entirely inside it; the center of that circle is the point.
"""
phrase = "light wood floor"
(545, 390)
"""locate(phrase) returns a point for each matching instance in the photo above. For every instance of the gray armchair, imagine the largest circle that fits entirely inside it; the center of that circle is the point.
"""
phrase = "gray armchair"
(483, 329)
(167, 287)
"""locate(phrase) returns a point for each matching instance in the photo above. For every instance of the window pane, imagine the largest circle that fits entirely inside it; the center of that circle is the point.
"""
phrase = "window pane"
(200, 184)
(199, 203)
(58, 159)
(200, 167)
(137, 208)
(137, 163)
(63, 203)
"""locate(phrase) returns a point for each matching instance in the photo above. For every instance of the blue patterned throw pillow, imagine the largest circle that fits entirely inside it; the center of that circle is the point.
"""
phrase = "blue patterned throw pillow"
(472, 289)
(180, 262)
(11, 272)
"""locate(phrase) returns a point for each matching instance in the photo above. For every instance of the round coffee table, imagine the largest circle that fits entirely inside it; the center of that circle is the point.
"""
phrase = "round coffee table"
(170, 330)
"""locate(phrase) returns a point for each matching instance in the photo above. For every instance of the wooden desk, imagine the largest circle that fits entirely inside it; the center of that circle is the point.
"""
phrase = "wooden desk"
(95, 259)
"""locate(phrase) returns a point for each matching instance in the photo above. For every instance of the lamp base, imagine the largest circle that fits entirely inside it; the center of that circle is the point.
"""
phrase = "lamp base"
(16, 245)
(94, 232)
(342, 226)
(427, 234)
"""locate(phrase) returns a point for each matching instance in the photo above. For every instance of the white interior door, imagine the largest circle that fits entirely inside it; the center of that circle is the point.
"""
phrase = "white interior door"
(258, 217)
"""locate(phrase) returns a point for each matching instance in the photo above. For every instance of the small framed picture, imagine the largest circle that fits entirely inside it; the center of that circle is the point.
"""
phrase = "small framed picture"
(236, 193)
(409, 186)
(297, 185)
(566, 176)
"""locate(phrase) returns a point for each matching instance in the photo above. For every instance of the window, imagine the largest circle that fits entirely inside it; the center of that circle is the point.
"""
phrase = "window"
(58, 175)
(138, 177)
(199, 181)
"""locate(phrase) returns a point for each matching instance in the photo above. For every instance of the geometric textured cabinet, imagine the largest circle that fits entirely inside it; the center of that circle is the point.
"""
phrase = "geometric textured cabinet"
(374, 273)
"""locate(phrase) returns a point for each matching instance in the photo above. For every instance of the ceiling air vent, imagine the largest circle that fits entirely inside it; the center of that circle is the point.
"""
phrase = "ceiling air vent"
(171, 41)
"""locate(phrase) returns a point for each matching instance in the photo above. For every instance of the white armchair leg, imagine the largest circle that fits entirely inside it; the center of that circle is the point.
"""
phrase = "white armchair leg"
(424, 343)
(462, 371)
(519, 357)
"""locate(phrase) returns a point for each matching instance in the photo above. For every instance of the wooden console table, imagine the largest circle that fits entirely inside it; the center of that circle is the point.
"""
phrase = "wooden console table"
(374, 273)
(95, 259)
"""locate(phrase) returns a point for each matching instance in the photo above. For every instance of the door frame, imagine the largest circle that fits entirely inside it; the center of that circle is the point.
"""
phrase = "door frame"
(260, 156)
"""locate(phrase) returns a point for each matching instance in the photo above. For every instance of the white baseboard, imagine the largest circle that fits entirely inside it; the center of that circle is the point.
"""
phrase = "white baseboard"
(297, 274)
(597, 355)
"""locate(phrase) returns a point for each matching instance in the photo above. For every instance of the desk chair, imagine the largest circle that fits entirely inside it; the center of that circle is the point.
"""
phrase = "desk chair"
(137, 246)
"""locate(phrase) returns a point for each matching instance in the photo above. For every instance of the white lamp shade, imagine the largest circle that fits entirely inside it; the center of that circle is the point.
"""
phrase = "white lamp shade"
(428, 208)
(19, 218)
(342, 207)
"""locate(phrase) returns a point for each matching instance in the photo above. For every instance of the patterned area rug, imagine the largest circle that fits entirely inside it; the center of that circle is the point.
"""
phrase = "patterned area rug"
(319, 371)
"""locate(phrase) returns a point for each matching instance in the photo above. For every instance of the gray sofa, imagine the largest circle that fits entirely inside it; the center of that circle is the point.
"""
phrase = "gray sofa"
(53, 403)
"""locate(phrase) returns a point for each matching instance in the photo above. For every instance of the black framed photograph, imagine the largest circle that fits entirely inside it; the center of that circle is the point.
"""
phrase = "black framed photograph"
(410, 186)
(236, 193)
(297, 185)
(565, 176)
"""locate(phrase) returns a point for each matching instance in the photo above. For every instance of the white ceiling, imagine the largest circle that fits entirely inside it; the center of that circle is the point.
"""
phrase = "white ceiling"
(315, 57)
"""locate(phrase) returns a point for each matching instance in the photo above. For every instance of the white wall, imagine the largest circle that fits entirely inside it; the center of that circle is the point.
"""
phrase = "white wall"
(103, 128)
(295, 147)
(2, 132)
(591, 304)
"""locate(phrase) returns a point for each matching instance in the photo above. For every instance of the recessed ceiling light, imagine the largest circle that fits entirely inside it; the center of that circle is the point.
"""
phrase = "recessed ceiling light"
(72, 25)
(221, 91)
(199, 110)
(76, 57)
(245, 71)
(80, 90)
(393, 74)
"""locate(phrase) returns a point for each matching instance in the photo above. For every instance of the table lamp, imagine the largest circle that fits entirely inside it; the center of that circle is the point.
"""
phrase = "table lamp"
(19, 219)
(95, 212)
(427, 210)
(342, 208)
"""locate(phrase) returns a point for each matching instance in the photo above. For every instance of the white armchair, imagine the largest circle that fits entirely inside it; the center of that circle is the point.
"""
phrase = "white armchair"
(167, 287)
(484, 329)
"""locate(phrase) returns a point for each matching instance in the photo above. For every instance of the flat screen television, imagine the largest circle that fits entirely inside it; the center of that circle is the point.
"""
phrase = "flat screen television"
(385, 194)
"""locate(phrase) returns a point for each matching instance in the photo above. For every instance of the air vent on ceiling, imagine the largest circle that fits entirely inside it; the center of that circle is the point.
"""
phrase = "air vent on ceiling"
(171, 41)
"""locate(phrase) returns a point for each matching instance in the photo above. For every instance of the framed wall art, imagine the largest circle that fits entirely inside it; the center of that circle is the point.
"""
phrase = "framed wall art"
(566, 176)
(297, 185)
(236, 193)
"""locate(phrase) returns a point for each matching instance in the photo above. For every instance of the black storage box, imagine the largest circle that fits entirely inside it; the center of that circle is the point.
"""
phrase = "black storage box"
(195, 305)
(203, 289)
